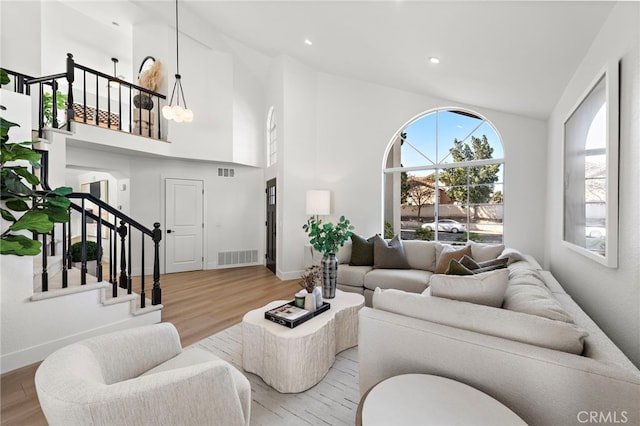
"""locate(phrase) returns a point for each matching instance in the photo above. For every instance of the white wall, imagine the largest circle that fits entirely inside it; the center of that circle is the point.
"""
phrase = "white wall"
(336, 133)
(106, 41)
(610, 296)
(21, 20)
(234, 207)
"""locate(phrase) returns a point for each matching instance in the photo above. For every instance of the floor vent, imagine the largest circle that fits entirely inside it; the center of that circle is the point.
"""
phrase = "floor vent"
(226, 172)
(240, 257)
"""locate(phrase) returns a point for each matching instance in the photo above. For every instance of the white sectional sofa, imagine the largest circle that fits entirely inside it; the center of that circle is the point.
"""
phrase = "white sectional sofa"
(422, 257)
(538, 353)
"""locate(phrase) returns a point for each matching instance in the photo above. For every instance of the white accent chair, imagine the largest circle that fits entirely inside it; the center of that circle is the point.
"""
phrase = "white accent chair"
(141, 376)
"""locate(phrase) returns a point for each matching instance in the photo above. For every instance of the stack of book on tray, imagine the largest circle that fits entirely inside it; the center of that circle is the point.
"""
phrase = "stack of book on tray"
(292, 316)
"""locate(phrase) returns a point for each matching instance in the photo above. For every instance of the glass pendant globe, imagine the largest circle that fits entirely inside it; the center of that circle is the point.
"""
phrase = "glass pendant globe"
(167, 112)
(188, 116)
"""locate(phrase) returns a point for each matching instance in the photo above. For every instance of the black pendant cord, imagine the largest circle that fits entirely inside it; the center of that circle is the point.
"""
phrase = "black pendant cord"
(177, 44)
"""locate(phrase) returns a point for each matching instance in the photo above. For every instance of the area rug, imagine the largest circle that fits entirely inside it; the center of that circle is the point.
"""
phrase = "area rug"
(333, 401)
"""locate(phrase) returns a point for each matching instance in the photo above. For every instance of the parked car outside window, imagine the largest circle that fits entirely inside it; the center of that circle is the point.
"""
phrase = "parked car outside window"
(446, 225)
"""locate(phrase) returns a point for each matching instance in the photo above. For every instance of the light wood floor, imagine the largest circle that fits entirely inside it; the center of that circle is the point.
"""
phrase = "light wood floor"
(198, 303)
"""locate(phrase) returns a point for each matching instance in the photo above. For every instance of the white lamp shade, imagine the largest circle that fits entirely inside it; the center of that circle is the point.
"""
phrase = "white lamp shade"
(318, 202)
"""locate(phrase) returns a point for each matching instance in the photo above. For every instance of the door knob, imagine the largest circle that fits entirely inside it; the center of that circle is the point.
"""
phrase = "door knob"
(169, 231)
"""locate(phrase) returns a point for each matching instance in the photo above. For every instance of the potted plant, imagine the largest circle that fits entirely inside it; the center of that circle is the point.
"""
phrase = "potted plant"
(327, 238)
(22, 207)
(92, 256)
(311, 293)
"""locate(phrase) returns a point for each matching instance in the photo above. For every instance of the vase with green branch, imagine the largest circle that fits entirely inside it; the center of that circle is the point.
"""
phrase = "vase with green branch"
(327, 238)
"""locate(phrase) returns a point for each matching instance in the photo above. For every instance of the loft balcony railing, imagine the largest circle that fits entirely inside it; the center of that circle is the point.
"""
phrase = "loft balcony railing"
(103, 100)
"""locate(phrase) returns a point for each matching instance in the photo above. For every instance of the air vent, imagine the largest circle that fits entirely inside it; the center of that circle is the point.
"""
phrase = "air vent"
(226, 172)
(240, 257)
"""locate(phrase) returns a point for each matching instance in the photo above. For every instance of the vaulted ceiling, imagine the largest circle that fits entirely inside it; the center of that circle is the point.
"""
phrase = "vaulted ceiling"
(514, 56)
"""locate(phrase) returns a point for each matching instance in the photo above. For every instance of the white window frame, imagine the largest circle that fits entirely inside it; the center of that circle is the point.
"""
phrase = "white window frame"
(436, 166)
(272, 138)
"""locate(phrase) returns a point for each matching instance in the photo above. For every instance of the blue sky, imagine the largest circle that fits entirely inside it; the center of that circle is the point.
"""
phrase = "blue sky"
(430, 137)
(435, 144)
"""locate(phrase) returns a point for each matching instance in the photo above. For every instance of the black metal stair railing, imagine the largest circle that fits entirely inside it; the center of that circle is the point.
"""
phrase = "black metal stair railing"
(118, 236)
(118, 96)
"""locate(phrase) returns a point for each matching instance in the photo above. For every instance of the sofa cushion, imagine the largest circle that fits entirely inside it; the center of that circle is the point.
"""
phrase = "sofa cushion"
(389, 255)
(512, 255)
(344, 252)
(448, 253)
(534, 300)
(352, 276)
(497, 322)
(487, 288)
(481, 252)
(413, 280)
(361, 251)
(186, 358)
(421, 254)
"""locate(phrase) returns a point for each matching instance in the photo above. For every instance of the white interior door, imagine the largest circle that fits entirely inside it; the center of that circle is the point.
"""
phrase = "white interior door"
(184, 226)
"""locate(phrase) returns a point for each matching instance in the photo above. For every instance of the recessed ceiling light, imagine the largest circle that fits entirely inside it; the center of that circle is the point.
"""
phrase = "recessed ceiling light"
(308, 42)
(434, 60)
(114, 23)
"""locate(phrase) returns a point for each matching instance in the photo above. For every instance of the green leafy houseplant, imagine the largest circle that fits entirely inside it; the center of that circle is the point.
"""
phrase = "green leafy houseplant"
(76, 251)
(327, 237)
(47, 106)
(22, 207)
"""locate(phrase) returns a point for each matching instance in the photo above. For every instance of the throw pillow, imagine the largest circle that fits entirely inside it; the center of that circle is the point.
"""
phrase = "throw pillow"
(361, 251)
(482, 289)
(389, 255)
(448, 253)
(469, 263)
(456, 268)
(479, 267)
(481, 252)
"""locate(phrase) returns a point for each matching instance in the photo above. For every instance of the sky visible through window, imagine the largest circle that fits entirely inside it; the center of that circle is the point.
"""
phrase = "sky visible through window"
(430, 138)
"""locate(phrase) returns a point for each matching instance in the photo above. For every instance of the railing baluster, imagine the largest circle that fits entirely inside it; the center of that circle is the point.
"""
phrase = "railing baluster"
(99, 246)
(83, 256)
(142, 271)
(97, 102)
(156, 293)
(122, 231)
(84, 96)
(114, 256)
(65, 281)
(71, 76)
(53, 241)
(45, 274)
(54, 106)
(113, 243)
(129, 266)
(41, 112)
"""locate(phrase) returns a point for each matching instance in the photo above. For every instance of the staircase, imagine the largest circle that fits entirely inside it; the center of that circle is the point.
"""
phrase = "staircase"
(47, 303)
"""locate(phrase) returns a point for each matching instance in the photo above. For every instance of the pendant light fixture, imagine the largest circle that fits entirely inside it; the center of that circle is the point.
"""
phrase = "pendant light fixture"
(114, 83)
(177, 112)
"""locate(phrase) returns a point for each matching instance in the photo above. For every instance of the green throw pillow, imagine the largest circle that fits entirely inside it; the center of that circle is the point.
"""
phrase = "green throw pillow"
(361, 251)
(457, 268)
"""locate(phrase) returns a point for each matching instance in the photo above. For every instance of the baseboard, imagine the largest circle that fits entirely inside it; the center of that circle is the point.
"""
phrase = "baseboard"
(289, 275)
(27, 356)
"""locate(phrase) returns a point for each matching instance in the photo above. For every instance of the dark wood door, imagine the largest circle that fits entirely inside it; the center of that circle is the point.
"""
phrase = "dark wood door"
(270, 254)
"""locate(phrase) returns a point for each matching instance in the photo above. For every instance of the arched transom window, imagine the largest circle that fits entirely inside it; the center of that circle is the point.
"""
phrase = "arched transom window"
(272, 138)
(444, 179)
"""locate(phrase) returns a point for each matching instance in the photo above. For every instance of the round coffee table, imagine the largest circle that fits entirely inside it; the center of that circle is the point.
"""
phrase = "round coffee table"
(423, 399)
(294, 359)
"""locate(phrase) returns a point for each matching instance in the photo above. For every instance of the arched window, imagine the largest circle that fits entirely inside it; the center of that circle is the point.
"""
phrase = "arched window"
(272, 138)
(444, 179)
